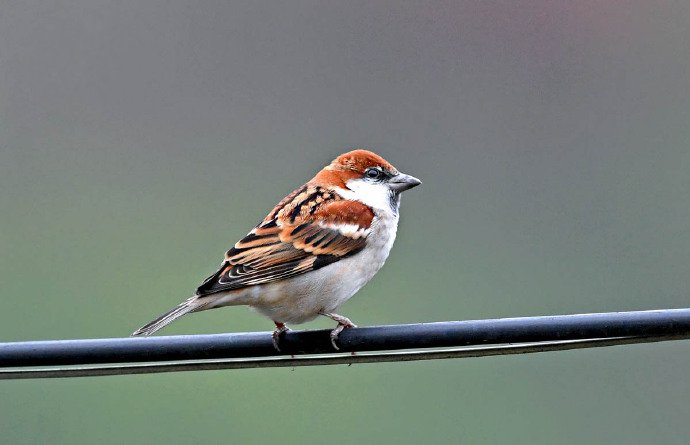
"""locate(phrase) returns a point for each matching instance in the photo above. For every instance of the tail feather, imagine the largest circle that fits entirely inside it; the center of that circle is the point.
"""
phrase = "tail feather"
(190, 305)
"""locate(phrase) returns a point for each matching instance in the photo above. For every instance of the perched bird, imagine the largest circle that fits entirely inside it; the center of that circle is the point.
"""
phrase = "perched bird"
(314, 251)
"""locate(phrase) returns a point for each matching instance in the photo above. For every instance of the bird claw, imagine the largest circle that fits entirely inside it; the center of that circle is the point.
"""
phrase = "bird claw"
(281, 328)
(343, 323)
(340, 328)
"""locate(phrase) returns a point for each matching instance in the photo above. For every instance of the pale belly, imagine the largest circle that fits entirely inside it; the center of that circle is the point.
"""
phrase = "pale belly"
(304, 297)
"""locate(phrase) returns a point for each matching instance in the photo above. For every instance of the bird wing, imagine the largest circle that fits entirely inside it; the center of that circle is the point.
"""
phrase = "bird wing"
(311, 228)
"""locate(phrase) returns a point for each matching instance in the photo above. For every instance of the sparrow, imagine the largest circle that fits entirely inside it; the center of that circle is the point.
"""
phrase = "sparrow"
(313, 251)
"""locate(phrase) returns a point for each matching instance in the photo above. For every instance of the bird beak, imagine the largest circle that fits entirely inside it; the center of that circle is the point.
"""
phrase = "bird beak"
(402, 182)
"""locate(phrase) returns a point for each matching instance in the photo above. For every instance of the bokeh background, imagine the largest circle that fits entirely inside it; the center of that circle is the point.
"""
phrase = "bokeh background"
(139, 140)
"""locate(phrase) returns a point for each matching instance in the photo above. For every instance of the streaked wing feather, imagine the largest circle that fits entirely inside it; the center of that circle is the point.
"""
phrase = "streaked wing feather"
(309, 231)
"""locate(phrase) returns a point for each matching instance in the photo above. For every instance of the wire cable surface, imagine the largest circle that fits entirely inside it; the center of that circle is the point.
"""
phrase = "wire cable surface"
(425, 341)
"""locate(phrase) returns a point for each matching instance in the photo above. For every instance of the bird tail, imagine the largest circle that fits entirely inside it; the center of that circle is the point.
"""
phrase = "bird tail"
(190, 305)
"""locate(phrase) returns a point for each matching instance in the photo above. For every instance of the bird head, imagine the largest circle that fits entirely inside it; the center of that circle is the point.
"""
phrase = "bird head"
(366, 177)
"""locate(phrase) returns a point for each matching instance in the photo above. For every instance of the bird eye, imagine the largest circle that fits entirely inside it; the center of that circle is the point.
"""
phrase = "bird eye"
(373, 173)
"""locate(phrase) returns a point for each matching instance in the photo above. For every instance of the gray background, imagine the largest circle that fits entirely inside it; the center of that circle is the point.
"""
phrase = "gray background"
(139, 140)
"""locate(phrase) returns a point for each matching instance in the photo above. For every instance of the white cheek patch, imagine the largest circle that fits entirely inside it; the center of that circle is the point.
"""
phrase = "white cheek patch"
(374, 195)
(351, 230)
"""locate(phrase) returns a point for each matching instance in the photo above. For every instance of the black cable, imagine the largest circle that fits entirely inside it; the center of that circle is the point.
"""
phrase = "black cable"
(60, 358)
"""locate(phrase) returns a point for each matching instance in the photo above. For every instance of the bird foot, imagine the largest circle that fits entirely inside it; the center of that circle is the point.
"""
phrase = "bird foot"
(280, 329)
(343, 323)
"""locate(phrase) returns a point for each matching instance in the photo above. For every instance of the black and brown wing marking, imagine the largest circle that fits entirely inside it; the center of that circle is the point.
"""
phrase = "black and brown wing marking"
(313, 228)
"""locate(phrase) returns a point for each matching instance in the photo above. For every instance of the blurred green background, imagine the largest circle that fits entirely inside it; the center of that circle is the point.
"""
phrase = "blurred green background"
(139, 140)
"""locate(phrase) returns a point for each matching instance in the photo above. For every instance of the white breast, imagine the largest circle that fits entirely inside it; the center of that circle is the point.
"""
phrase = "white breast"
(303, 297)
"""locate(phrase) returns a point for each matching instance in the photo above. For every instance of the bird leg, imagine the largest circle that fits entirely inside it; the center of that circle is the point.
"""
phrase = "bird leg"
(343, 323)
(280, 329)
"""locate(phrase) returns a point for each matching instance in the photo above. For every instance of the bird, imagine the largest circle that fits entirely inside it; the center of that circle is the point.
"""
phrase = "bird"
(317, 247)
